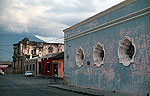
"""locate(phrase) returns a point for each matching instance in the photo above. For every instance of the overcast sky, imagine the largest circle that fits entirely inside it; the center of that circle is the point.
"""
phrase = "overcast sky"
(47, 18)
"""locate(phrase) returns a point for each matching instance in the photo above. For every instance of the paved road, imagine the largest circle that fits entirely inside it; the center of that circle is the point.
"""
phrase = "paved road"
(18, 85)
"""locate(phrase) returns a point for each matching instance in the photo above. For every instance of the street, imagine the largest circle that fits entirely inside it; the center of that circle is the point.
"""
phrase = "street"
(19, 85)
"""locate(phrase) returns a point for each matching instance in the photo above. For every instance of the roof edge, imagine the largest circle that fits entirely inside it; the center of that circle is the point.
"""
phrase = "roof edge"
(111, 9)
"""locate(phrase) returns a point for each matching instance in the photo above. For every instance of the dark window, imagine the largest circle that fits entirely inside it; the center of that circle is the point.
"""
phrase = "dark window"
(82, 56)
(45, 70)
(33, 66)
(55, 68)
(101, 54)
(39, 67)
(40, 49)
(27, 67)
(88, 62)
(130, 51)
(30, 67)
(50, 49)
(33, 52)
(48, 67)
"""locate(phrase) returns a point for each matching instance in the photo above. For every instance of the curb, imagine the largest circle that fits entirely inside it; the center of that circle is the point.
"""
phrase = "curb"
(79, 92)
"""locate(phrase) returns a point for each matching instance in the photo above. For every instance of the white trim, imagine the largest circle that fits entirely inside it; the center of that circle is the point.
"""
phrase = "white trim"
(97, 61)
(106, 25)
(124, 59)
(79, 62)
(116, 7)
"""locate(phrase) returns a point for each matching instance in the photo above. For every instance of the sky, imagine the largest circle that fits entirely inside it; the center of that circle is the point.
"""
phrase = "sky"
(46, 19)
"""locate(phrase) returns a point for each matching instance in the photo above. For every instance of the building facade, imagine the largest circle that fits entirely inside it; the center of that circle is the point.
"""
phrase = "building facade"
(5, 67)
(48, 65)
(111, 50)
(31, 65)
(58, 65)
(26, 49)
(53, 65)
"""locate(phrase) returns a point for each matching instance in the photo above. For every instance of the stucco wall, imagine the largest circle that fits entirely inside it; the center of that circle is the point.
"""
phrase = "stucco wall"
(112, 75)
(60, 67)
(32, 65)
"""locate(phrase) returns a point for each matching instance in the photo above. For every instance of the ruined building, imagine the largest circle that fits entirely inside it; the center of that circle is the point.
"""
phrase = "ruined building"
(27, 49)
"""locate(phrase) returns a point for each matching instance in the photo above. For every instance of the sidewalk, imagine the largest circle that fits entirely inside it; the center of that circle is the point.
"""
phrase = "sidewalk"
(88, 91)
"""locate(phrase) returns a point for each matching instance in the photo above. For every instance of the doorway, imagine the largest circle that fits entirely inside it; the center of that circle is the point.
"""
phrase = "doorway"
(39, 67)
(55, 69)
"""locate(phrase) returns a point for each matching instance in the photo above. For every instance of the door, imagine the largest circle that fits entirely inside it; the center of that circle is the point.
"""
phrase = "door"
(55, 69)
(45, 70)
(39, 67)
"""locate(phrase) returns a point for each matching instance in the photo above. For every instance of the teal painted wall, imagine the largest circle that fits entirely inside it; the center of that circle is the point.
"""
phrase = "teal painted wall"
(112, 75)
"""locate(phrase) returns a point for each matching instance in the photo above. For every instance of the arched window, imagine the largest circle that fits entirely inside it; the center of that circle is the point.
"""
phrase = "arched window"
(50, 49)
(79, 57)
(126, 51)
(98, 54)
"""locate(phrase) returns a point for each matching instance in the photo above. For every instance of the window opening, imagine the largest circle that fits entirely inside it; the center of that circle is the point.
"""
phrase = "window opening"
(30, 67)
(39, 67)
(33, 67)
(88, 62)
(50, 49)
(48, 67)
(79, 57)
(126, 51)
(98, 54)
(26, 67)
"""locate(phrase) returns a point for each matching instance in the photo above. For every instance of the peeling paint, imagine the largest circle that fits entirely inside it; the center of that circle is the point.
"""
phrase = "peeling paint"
(113, 75)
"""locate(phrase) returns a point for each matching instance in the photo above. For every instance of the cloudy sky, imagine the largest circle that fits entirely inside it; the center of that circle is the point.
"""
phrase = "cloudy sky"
(46, 19)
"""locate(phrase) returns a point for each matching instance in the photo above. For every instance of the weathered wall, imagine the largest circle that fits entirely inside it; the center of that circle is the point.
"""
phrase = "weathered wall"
(134, 78)
(31, 64)
(60, 67)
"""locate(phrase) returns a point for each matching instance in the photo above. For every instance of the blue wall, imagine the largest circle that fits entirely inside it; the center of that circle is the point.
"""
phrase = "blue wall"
(134, 78)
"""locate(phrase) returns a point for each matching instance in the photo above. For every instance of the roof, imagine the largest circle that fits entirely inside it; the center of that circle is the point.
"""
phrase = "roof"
(58, 56)
(51, 55)
(3, 66)
(118, 6)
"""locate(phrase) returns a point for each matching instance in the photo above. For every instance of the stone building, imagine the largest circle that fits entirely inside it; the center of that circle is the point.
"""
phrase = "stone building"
(26, 49)
(111, 50)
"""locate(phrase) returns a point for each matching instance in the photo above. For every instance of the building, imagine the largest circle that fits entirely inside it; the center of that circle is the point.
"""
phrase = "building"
(53, 64)
(26, 49)
(32, 65)
(58, 65)
(111, 50)
(47, 65)
(5, 67)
